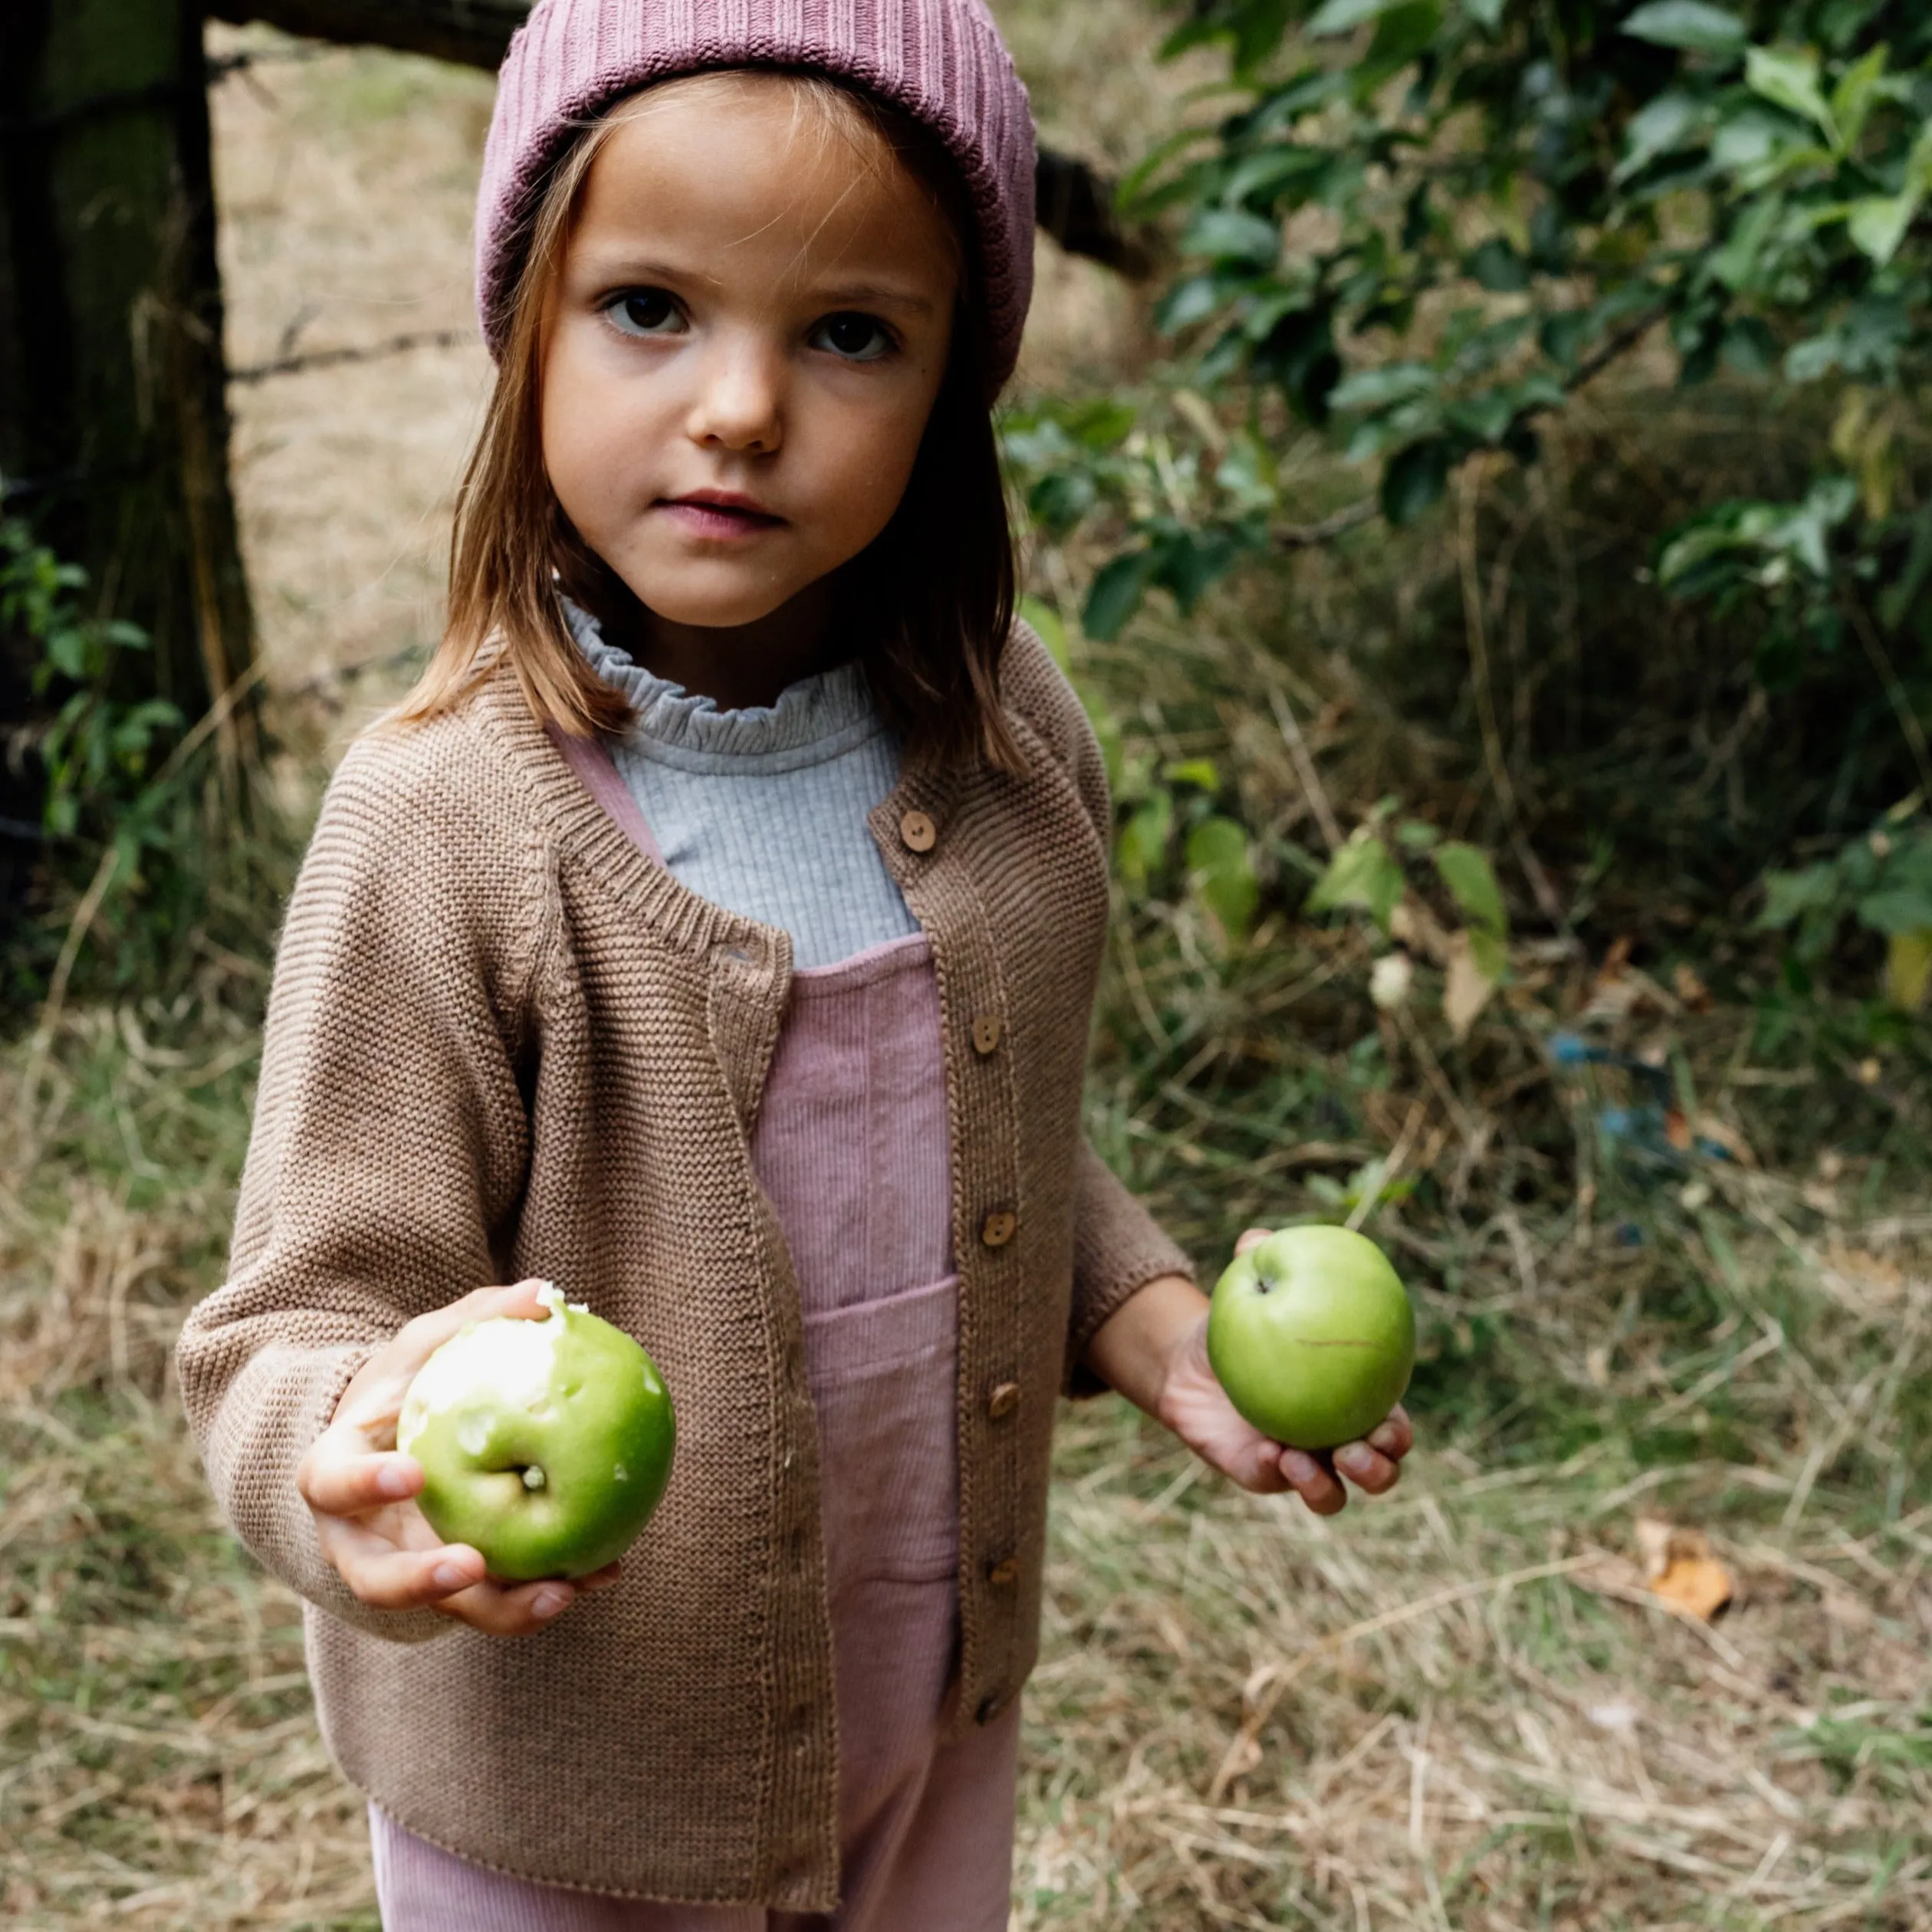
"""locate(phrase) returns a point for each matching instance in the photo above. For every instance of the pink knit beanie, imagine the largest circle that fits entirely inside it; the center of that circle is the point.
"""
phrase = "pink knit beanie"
(942, 61)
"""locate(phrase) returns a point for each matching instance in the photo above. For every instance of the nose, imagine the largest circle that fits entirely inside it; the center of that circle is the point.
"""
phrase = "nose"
(740, 404)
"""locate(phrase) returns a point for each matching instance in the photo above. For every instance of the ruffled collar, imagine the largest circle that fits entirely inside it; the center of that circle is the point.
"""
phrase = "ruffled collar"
(818, 717)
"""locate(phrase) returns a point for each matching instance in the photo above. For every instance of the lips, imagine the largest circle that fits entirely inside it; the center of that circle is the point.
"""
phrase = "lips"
(720, 513)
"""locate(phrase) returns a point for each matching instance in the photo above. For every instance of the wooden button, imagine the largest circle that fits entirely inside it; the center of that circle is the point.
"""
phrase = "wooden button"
(1002, 1400)
(919, 832)
(986, 1032)
(1004, 1574)
(998, 1229)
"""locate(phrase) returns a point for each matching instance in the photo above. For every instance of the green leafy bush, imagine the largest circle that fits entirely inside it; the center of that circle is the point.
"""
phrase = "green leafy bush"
(96, 750)
(1419, 227)
(1881, 883)
(146, 845)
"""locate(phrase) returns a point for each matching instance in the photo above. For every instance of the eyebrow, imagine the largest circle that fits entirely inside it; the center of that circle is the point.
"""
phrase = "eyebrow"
(616, 269)
(879, 294)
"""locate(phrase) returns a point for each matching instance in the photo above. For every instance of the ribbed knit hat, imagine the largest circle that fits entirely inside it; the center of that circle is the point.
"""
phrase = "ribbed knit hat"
(941, 60)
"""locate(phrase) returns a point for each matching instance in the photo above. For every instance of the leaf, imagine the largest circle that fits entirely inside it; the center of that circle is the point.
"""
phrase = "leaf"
(1279, 167)
(1364, 875)
(1858, 88)
(1203, 772)
(1896, 910)
(1788, 78)
(1190, 562)
(1908, 969)
(1222, 873)
(1466, 986)
(1487, 414)
(1375, 388)
(1877, 223)
(1733, 263)
(1046, 624)
(1656, 128)
(1497, 267)
(1116, 593)
(1233, 235)
(1471, 880)
(1491, 956)
(1700, 1584)
(1141, 850)
(1190, 300)
(1413, 478)
(1338, 16)
(1690, 25)
(1401, 34)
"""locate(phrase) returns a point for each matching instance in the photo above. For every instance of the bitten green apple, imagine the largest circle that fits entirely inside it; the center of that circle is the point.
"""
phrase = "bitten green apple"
(1311, 1334)
(545, 1443)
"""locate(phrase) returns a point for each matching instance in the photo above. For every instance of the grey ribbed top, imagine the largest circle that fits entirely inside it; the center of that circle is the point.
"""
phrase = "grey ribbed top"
(763, 811)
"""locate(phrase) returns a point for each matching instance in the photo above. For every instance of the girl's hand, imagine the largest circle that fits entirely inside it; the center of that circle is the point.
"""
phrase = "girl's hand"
(360, 1489)
(1195, 1407)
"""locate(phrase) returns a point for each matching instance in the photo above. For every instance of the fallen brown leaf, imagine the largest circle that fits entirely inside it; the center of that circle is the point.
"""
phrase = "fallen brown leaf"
(1679, 1567)
(1691, 989)
(1701, 1584)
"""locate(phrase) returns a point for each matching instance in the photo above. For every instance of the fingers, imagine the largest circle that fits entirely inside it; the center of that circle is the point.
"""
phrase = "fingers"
(516, 1610)
(335, 1480)
(371, 1403)
(1252, 1237)
(451, 1579)
(1367, 1468)
(386, 1578)
(1311, 1479)
(1395, 1437)
(1373, 1465)
(1257, 1468)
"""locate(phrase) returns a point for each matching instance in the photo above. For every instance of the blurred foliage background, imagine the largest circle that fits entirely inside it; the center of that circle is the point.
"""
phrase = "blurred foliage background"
(1493, 544)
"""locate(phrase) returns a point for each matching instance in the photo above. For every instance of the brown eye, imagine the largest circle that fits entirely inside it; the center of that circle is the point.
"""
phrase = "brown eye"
(856, 338)
(644, 311)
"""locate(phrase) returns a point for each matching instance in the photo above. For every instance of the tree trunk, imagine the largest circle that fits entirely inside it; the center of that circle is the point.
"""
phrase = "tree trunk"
(1075, 206)
(113, 425)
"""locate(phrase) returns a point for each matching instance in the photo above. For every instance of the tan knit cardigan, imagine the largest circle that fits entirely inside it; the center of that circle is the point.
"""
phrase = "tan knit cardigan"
(502, 1043)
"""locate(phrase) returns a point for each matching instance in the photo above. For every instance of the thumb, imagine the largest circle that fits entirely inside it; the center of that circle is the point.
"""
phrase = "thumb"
(372, 1402)
(416, 1341)
(1252, 1238)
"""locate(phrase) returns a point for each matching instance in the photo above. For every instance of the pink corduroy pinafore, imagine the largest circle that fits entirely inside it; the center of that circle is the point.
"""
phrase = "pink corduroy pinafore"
(851, 1145)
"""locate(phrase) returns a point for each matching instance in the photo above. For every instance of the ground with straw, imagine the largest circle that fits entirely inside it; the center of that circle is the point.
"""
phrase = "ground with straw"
(1464, 1706)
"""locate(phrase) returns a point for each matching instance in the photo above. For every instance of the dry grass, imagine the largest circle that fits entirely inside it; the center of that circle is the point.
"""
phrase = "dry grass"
(1458, 1708)
(1462, 1707)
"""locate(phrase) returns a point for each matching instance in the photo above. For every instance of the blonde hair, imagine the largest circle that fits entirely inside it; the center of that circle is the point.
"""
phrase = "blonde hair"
(934, 668)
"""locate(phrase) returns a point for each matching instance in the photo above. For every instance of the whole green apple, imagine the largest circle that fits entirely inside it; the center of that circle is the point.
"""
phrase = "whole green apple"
(1311, 1334)
(545, 1443)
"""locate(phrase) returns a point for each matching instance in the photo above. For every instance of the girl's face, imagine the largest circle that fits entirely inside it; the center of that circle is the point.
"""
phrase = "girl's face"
(741, 351)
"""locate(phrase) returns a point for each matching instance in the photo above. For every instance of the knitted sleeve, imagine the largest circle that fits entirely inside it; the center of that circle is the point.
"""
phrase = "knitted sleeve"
(1118, 1247)
(389, 1139)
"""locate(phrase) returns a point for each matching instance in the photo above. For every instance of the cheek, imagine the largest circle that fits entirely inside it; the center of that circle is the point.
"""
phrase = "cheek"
(869, 458)
(586, 433)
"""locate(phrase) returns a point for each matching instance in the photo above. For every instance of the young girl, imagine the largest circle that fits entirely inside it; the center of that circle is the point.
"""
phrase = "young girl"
(714, 931)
